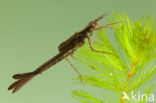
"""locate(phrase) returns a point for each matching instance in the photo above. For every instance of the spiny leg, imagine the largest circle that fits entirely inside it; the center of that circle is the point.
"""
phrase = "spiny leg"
(75, 69)
(106, 26)
(94, 50)
(89, 35)
(94, 42)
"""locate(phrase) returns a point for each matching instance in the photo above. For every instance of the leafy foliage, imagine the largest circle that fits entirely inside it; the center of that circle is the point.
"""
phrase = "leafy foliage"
(134, 44)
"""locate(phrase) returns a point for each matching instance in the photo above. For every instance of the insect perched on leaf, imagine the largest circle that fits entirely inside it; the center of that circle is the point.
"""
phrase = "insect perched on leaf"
(66, 48)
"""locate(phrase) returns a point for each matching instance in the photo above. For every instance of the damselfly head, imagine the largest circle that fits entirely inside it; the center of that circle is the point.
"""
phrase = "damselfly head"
(94, 23)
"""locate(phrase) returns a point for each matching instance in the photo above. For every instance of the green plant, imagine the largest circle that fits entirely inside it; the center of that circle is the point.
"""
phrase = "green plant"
(132, 68)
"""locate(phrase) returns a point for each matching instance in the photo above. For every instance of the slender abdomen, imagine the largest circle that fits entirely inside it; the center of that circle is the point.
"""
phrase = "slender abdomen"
(53, 61)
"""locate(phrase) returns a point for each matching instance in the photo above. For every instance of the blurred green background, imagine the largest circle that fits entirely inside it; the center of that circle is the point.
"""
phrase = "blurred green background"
(31, 30)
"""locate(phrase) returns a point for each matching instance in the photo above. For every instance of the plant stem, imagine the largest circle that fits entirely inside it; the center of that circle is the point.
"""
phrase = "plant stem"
(127, 82)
